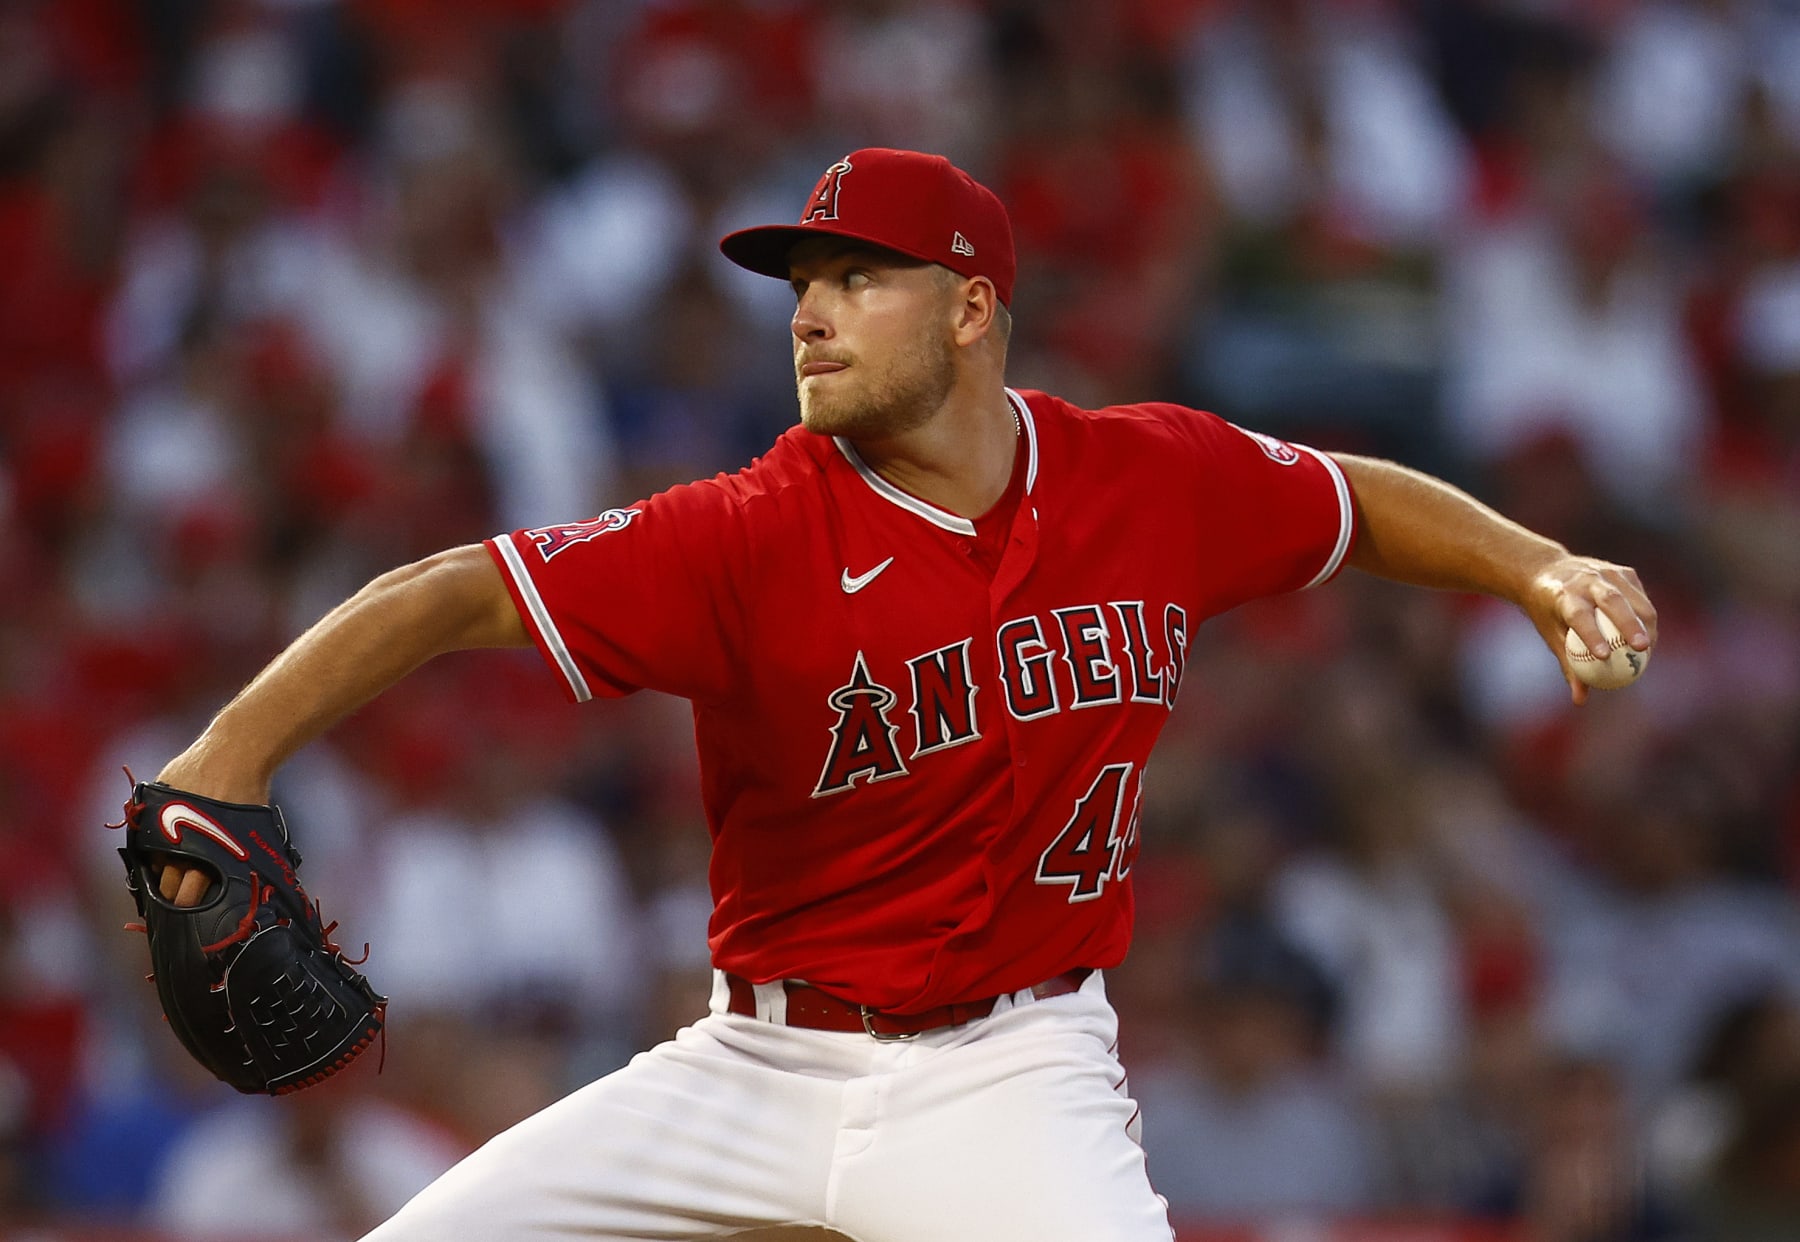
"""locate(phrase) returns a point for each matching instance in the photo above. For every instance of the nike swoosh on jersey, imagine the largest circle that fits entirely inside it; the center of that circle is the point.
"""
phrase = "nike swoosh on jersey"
(853, 585)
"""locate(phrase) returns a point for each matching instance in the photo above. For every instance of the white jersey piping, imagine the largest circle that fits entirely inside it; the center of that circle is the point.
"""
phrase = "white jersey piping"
(943, 518)
(540, 617)
(1031, 448)
(1346, 516)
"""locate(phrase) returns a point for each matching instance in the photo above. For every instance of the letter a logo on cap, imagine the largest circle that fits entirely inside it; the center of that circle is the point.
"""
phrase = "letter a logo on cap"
(823, 204)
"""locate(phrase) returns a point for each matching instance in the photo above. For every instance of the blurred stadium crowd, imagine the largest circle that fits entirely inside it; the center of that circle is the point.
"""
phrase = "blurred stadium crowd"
(292, 291)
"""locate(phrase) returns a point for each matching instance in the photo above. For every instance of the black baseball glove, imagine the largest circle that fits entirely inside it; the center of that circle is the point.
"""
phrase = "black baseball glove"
(249, 979)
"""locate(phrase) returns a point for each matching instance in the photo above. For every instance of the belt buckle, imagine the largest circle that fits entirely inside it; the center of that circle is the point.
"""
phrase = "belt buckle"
(882, 1037)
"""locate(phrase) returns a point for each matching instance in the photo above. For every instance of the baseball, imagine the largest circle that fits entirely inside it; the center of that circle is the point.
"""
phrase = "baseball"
(1622, 666)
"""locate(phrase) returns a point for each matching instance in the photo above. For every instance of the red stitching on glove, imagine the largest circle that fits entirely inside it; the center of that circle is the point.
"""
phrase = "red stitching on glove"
(333, 946)
(350, 1054)
(132, 806)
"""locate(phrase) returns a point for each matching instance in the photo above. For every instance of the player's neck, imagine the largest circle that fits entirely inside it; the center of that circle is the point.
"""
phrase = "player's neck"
(960, 461)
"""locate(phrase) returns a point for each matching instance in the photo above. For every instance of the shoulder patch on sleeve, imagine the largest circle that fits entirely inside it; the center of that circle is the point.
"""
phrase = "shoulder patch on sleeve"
(1278, 451)
(549, 540)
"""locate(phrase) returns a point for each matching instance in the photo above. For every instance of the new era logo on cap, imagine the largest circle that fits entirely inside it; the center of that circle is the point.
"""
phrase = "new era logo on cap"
(920, 205)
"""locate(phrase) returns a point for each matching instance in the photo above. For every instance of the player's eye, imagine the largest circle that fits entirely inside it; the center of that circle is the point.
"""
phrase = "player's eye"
(856, 277)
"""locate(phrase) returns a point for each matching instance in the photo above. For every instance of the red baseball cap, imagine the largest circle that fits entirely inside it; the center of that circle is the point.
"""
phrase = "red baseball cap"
(920, 205)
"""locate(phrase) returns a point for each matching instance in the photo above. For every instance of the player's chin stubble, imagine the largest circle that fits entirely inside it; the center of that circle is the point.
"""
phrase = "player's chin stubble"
(872, 403)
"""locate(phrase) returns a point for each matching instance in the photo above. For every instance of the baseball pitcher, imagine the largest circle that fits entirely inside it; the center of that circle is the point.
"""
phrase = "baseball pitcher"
(930, 638)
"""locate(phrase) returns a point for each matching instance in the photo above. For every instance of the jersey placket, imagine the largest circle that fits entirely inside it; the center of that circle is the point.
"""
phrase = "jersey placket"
(1004, 601)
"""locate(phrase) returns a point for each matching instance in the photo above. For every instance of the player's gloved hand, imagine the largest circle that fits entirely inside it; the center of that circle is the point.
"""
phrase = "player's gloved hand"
(1572, 591)
(247, 973)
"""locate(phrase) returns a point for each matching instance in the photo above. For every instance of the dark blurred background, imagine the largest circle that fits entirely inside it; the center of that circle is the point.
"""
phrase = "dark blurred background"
(292, 291)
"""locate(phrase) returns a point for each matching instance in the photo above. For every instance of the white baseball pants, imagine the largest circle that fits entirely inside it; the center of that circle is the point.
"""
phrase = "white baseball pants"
(1013, 1128)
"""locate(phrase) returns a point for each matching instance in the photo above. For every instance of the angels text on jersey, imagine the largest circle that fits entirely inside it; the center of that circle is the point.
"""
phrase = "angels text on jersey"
(1088, 655)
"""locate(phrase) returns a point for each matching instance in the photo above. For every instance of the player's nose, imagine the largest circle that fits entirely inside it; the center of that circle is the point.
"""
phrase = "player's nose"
(810, 322)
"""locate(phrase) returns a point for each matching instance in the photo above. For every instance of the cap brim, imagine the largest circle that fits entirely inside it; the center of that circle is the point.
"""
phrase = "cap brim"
(764, 249)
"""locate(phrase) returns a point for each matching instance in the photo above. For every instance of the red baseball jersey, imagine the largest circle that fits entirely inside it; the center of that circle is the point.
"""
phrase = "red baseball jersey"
(922, 742)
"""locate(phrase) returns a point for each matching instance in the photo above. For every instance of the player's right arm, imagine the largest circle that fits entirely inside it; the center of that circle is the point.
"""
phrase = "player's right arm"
(453, 601)
(1418, 529)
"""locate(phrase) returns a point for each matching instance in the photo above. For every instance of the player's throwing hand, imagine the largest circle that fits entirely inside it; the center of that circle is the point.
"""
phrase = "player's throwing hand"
(1573, 593)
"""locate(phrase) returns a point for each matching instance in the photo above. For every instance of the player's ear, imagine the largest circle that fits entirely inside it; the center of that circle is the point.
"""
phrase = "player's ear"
(973, 309)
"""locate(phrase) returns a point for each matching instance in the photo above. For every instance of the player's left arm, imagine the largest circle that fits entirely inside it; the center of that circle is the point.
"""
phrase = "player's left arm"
(1414, 528)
